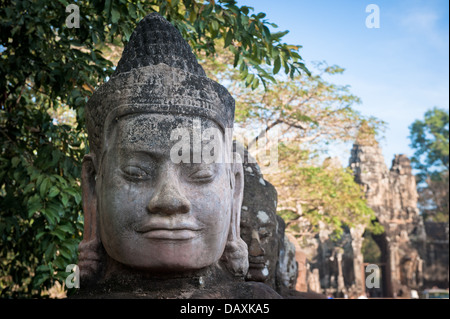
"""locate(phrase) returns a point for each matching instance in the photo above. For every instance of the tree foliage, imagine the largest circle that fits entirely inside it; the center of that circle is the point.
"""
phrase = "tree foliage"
(47, 70)
(314, 195)
(306, 108)
(370, 250)
(305, 114)
(430, 139)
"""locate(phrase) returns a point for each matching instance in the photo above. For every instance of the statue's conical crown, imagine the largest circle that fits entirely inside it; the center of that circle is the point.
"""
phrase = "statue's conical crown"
(155, 40)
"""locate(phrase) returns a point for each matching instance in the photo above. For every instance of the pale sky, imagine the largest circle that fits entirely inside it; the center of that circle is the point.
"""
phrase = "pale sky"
(399, 70)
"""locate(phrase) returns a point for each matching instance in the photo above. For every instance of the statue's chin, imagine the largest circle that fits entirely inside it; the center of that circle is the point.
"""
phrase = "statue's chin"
(158, 256)
(257, 274)
(162, 267)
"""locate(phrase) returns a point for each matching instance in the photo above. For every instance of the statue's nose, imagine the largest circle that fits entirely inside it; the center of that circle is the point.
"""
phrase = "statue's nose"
(168, 197)
(255, 248)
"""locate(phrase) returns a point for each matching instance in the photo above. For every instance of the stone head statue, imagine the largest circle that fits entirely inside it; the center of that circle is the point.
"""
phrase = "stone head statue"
(270, 252)
(259, 224)
(287, 269)
(153, 199)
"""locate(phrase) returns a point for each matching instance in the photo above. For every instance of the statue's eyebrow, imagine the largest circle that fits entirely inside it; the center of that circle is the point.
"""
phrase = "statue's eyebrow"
(142, 153)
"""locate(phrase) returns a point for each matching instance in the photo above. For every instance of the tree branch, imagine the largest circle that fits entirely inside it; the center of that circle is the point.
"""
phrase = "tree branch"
(261, 134)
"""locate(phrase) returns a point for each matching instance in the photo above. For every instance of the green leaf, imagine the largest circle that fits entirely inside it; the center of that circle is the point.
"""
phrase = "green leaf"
(206, 12)
(39, 235)
(15, 29)
(78, 198)
(215, 25)
(53, 191)
(132, 11)
(115, 15)
(278, 35)
(75, 194)
(261, 15)
(250, 79)
(255, 83)
(237, 58)
(15, 161)
(64, 199)
(34, 205)
(277, 65)
(286, 66)
(66, 253)
(42, 268)
(266, 33)
(39, 280)
(49, 252)
(228, 38)
(66, 228)
(58, 233)
(51, 214)
(44, 187)
(71, 191)
(127, 33)
(33, 209)
(60, 263)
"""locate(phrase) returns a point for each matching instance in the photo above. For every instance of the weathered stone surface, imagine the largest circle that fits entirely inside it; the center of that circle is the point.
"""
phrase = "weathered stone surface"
(211, 283)
(436, 266)
(367, 163)
(287, 271)
(393, 196)
(158, 225)
(300, 258)
(155, 41)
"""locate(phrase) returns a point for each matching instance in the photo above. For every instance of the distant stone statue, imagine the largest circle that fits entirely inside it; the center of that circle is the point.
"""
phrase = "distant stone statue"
(259, 225)
(161, 199)
(287, 267)
(270, 253)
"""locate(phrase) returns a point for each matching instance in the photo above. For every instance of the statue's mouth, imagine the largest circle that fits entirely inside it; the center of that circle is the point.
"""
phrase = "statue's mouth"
(256, 262)
(162, 231)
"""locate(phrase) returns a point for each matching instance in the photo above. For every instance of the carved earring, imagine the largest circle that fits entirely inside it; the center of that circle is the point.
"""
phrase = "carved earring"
(235, 256)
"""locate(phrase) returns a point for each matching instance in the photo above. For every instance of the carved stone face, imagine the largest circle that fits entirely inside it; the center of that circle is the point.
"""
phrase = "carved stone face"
(156, 214)
(259, 231)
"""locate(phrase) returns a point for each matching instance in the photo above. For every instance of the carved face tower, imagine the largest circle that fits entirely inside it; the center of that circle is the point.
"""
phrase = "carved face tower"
(147, 210)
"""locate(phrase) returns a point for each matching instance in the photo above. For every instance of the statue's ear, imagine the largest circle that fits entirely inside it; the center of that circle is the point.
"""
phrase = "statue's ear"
(90, 246)
(235, 256)
(238, 195)
(89, 196)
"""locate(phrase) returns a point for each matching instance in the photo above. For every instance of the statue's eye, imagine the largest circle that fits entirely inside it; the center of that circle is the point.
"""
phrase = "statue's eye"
(134, 172)
(202, 175)
(264, 234)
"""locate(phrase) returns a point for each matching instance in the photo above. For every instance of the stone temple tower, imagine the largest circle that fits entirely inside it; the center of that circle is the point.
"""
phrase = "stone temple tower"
(393, 196)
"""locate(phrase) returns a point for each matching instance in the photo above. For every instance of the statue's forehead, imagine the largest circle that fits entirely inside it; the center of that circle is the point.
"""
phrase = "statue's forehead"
(161, 131)
(254, 221)
(154, 125)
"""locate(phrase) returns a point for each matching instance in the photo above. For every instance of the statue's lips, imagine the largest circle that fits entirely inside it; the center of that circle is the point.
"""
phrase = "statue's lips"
(256, 262)
(166, 232)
